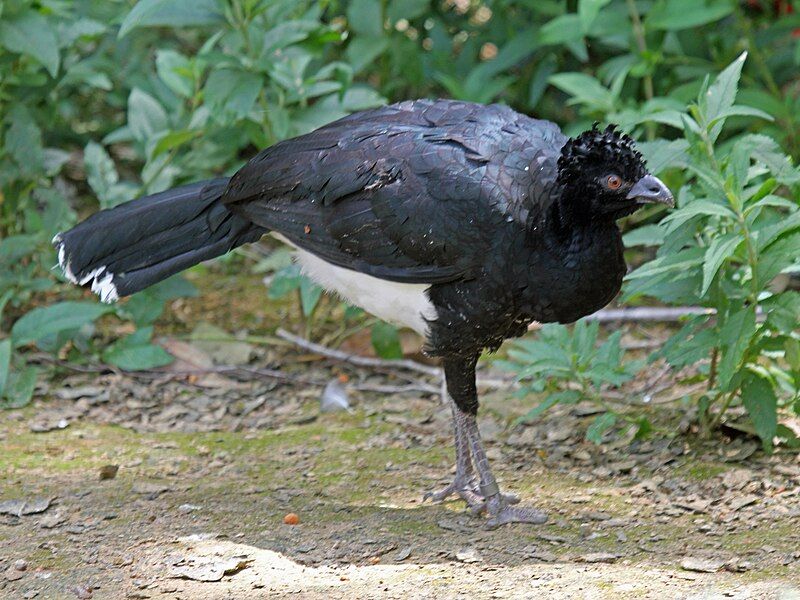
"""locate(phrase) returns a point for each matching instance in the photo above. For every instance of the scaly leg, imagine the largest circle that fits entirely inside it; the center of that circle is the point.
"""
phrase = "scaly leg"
(464, 484)
(496, 504)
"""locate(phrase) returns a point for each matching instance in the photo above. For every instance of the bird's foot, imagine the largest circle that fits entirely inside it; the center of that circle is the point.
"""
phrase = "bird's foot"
(469, 491)
(500, 512)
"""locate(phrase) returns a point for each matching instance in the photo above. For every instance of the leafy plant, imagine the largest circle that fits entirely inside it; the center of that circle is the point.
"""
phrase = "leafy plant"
(569, 365)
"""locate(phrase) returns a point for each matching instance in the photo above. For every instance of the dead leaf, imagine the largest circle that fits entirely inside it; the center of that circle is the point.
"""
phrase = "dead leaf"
(222, 347)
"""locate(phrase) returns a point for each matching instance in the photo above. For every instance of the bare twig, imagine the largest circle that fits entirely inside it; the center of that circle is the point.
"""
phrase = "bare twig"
(361, 361)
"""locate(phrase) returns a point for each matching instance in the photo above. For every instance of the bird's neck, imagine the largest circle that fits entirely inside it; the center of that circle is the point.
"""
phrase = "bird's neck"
(570, 213)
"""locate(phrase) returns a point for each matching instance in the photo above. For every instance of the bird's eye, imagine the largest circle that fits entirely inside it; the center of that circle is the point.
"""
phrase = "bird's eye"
(613, 182)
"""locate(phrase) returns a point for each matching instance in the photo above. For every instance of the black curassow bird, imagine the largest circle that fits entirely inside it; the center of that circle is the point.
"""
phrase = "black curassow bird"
(461, 221)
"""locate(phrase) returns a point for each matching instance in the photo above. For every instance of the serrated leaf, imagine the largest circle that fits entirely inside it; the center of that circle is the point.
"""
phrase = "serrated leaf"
(599, 426)
(758, 397)
(174, 13)
(720, 248)
(562, 397)
(175, 70)
(721, 94)
(48, 320)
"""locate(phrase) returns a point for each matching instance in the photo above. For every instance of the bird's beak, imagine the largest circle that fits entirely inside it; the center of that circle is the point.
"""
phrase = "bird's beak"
(650, 190)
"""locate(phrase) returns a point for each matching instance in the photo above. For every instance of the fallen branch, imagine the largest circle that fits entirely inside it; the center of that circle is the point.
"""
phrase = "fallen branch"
(354, 359)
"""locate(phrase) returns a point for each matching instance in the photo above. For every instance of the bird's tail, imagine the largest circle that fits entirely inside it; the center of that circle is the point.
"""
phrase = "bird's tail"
(127, 248)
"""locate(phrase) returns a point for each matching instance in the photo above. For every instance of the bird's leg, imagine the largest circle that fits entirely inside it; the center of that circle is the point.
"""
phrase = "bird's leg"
(497, 505)
(464, 483)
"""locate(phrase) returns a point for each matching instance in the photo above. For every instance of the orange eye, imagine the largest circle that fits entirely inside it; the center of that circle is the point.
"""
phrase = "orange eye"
(613, 182)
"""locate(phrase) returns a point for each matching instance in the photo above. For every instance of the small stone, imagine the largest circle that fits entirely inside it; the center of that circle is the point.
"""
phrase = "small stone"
(21, 565)
(599, 557)
(468, 555)
(403, 554)
(702, 565)
(742, 501)
(108, 472)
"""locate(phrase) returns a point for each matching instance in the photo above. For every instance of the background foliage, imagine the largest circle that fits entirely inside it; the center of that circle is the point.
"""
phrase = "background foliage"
(104, 101)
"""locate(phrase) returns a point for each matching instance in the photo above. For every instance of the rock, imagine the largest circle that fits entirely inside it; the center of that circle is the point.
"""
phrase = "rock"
(468, 555)
(52, 520)
(203, 568)
(20, 507)
(702, 565)
(741, 501)
(599, 557)
(108, 472)
(403, 553)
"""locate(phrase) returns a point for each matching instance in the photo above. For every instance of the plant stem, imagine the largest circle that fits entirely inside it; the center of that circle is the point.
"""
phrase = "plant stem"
(718, 417)
(712, 373)
(641, 43)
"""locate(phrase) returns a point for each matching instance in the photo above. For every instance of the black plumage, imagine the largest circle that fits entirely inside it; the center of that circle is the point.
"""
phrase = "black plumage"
(501, 216)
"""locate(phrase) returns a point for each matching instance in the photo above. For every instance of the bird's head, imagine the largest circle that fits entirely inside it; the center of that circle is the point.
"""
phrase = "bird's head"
(602, 174)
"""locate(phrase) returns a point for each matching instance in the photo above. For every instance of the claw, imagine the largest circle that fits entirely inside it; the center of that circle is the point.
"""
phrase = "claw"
(501, 512)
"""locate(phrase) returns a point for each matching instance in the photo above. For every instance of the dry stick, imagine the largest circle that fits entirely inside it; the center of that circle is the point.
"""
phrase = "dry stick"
(361, 361)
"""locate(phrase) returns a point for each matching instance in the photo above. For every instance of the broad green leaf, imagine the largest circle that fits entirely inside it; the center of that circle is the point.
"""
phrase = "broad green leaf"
(173, 13)
(735, 336)
(48, 320)
(137, 358)
(662, 154)
(230, 94)
(20, 387)
(364, 17)
(5, 363)
(146, 116)
(721, 248)
(588, 11)
(601, 424)
(386, 341)
(175, 70)
(31, 33)
(284, 281)
(585, 89)
(680, 261)
(646, 235)
(675, 15)
(741, 111)
(23, 141)
(561, 30)
(759, 399)
(363, 50)
(777, 257)
(407, 9)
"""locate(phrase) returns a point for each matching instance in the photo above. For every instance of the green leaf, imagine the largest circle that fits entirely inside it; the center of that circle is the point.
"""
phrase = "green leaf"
(407, 9)
(735, 336)
(173, 13)
(721, 248)
(675, 15)
(5, 363)
(561, 30)
(137, 357)
(284, 281)
(24, 141)
(721, 94)
(758, 397)
(661, 154)
(230, 94)
(175, 70)
(171, 140)
(364, 17)
(20, 387)
(48, 320)
(386, 341)
(31, 33)
(146, 116)
(562, 397)
(646, 235)
(585, 89)
(588, 11)
(599, 426)
(310, 294)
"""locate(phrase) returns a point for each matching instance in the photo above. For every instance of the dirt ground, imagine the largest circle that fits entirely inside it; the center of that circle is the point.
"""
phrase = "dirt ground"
(171, 486)
(196, 509)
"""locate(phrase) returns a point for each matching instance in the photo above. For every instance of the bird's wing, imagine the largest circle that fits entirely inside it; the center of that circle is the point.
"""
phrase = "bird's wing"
(411, 192)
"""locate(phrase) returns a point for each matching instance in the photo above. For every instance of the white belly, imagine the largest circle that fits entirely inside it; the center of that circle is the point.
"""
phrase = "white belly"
(404, 304)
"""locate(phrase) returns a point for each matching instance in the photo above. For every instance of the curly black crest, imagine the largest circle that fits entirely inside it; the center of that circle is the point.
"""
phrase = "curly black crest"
(601, 148)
